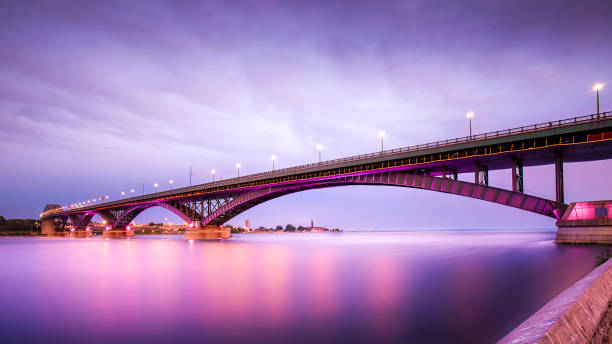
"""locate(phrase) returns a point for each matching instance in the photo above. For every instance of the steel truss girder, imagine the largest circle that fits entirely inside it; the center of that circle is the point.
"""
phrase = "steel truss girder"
(218, 208)
(250, 198)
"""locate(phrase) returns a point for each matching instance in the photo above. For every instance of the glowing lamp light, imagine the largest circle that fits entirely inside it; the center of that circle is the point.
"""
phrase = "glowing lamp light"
(597, 87)
(191, 225)
(72, 229)
(382, 134)
(122, 193)
(273, 157)
(108, 228)
(238, 165)
(87, 229)
(106, 197)
(319, 147)
(128, 228)
(155, 185)
(470, 115)
(213, 171)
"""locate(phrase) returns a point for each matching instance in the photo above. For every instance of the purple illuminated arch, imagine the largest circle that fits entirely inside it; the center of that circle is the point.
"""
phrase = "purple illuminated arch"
(251, 198)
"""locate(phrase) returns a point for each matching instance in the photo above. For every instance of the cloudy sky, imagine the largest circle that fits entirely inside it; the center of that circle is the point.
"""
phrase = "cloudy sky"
(98, 97)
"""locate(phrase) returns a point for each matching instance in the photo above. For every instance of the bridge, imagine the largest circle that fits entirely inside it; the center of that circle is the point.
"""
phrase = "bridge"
(432, 166)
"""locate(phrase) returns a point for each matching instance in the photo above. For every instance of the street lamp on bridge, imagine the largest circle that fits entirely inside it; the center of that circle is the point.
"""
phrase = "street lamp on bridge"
(238, 168)
(155, 185)
(132, 192)
(319, 149)
(597, 87)
(273, 158)
(212, 172)
(470, 115)
(122, 194)
(171, 182)
(382, 135)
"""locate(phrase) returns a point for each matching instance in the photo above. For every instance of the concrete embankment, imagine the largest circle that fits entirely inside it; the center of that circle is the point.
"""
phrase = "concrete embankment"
(574, 316)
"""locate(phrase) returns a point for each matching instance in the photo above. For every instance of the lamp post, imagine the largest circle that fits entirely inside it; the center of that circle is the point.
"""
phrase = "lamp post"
(319, 149)
(132, 192)
(171, 182)
(470, 115)
(382, 135)
(597, 87)
(122, 194)
(192, 175)
(273, 158)
(155, 185)
(238, 168)
(212, 172)
(106, 198)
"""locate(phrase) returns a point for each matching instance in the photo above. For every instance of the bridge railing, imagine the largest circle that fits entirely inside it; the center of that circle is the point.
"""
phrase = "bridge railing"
(465, 139)
(436, 144)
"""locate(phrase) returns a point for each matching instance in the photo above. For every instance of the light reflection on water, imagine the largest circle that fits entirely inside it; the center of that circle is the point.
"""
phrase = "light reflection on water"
(440, 286)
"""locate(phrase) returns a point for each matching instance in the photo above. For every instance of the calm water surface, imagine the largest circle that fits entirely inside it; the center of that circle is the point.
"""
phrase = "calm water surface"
(383, 287)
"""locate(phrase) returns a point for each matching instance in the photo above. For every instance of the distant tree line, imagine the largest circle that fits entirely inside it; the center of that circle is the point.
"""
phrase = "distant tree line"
(279, 228)
(19, 225)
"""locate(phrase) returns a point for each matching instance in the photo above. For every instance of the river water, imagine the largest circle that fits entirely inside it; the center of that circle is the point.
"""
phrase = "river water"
(372, 287)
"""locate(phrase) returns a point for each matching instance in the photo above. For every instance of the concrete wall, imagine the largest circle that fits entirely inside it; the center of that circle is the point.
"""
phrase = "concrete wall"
(571, 317)
(586, 223)
(585, 235)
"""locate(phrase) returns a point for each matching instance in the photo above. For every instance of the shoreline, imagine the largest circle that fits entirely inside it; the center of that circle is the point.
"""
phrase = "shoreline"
(580, 314)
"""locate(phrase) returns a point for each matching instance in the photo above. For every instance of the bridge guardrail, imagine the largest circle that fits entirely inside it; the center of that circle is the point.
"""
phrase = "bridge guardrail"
(436, 144)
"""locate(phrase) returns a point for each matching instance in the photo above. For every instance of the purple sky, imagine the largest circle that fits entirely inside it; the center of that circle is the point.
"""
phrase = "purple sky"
(100, 97)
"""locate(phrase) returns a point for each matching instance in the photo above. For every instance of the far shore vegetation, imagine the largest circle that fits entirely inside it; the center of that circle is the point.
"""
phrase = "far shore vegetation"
(19, 226)
(288, 228)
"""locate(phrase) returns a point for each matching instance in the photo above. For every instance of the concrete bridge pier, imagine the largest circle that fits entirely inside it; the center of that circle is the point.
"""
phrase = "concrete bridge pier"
(586, 223)
(47, 227)
(125, 232)
(207, 232)
(80, 233)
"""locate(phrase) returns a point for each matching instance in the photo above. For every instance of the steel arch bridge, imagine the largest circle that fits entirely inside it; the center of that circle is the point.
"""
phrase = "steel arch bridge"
(433, 167)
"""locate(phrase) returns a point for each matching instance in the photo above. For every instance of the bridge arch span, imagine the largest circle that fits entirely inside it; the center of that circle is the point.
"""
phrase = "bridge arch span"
(121, 218)
(251, 198)
(128, 215)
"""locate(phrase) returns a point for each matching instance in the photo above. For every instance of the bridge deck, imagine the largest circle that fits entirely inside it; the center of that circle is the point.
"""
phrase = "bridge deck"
(585, 138)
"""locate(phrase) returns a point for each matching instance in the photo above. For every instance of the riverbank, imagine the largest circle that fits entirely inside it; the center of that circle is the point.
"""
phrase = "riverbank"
(579, 314)
(17, 233)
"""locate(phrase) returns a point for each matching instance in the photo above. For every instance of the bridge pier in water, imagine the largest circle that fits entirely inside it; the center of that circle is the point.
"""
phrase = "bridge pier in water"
(80, 233)
(207, 232)
(586, 223)
(117, 233)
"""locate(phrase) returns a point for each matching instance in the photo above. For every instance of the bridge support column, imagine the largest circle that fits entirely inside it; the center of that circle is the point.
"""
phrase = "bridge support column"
(80, 233)
(118, 232)
(53, 227)
(586, 223)
(559, 177)
(517, 175)
(47, 227)
(449, 172)
(481, 174)
(207, 232)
